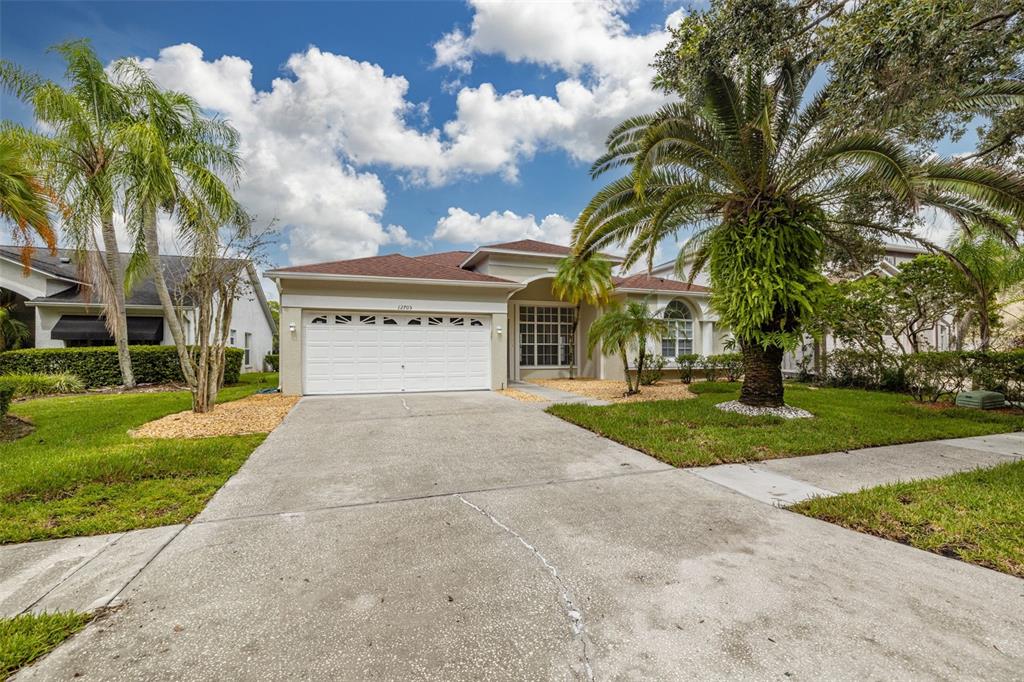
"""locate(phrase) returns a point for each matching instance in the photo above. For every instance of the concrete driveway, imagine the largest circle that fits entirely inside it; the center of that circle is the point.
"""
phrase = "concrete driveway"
(468, 536)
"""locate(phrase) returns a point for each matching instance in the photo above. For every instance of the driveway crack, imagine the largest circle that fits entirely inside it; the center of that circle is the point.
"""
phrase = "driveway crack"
(572, 611)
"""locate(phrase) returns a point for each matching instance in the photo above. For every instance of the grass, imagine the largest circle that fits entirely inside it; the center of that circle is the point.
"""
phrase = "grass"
(26, 638)
(695, 433)
(976, 516)
(79, 473)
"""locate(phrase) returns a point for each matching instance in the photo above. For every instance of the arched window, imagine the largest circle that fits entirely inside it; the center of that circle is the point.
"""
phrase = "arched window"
(678, 338)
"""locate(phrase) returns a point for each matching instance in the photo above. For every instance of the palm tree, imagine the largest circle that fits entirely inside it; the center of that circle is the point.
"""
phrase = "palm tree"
(988, 267)
(764, 184)
(579, 281)
(624, 328)
(81, 158)
(13, 332)
(175, 160)
(25, 200)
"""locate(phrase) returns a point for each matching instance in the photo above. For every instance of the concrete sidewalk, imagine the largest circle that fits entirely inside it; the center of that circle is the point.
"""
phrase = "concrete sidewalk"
(76, 574)
(787, 481)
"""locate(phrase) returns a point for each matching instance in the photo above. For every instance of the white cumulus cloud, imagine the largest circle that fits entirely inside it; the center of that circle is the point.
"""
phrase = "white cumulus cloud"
(608, 78)
(462, 227)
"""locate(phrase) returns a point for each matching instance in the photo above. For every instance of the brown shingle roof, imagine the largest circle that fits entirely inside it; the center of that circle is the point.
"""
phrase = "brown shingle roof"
(643, 281)
(393, 265)
(452, 259)
(531, 246)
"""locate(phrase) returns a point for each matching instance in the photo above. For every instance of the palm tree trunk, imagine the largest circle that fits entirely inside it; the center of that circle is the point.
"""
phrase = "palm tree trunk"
(115, 274)
(170, 312)
(625, 369)
(762, 376)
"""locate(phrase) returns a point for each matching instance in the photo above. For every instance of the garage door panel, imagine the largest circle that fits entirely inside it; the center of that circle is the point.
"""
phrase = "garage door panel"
(347, 352)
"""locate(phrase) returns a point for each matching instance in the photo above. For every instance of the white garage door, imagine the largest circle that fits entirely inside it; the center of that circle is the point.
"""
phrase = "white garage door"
(384, 352)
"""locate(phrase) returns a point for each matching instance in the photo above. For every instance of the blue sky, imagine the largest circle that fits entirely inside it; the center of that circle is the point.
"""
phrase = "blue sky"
(532, 173)
(373, 127)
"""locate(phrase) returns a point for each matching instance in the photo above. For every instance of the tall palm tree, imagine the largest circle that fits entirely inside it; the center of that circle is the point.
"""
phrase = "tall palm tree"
(81, 158)
(582, 280)
(176, 160)
(624, 328)
(764, 183)
(25, 200)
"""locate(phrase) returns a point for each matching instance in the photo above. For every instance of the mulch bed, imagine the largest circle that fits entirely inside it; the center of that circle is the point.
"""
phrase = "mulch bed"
(12, 428)
(516, 394)
(614, 391)
(260, 413)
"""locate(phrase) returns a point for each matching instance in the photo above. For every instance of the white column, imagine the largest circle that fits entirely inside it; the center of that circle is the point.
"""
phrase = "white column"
(707, 337)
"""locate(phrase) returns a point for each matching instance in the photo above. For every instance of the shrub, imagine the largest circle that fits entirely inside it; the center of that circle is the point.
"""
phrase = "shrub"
(687, 362)
(999, 371)
(273, 361)
(97, 365)
(653, 371)
(6, 393)
(930, 376)
(731, 364)
(42, 384)
(709, 364)
(858, 369)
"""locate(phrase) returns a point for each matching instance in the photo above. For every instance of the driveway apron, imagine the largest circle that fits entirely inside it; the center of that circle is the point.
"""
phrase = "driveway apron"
(467, 536)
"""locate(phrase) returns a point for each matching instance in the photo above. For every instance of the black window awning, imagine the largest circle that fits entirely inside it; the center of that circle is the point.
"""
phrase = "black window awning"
(93, 328)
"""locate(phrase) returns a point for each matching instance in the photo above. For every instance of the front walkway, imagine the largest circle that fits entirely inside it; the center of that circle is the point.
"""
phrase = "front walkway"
(788, 481)
(468, 536)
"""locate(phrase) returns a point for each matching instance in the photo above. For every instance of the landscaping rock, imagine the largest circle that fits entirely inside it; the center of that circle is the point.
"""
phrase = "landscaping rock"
(785, 412)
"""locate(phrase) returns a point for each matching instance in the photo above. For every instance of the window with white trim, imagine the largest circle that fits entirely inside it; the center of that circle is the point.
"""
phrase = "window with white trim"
(248, 349)
(678, 338)
(545, 336)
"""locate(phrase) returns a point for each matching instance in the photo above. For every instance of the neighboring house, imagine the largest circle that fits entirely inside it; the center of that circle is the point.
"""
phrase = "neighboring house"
(458, 320)
(62, 310)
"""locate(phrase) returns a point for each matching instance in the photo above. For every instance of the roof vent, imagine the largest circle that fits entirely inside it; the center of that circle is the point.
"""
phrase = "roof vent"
(65, 260)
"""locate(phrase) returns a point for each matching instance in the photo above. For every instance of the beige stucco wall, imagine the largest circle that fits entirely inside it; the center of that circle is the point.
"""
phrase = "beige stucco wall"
(517, 268)
(290, 349)
(315, 295)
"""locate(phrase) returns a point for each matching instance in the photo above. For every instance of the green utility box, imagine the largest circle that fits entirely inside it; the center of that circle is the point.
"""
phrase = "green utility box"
(980, 400)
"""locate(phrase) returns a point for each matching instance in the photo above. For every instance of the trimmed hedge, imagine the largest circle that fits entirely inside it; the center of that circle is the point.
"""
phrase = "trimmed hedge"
(273, 361)
(97, 365)
(6, 393)
(932, 375)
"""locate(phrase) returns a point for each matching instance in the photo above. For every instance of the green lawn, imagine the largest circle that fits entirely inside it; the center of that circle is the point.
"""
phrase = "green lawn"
(25, 638)
(976, 516)
(695, 433)
(79, 473)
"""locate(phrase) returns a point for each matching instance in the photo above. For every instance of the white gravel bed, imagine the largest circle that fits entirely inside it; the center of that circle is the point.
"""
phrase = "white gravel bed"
(786, 411)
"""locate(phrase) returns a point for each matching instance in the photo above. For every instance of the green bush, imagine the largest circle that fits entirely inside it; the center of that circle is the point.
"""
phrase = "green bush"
(98, 366)
(1001, 371)
(849, 368)
(653, 370)
(709, 363)
(731, 364)
(26, 385)
(930, 376)
(273, 361)
(687, 363)
(6, 393)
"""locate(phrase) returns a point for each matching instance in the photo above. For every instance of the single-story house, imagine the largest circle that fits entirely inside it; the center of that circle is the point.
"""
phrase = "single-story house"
(459, 320)
(61, 310)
